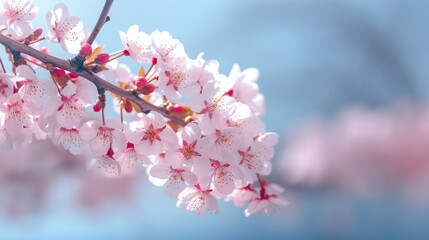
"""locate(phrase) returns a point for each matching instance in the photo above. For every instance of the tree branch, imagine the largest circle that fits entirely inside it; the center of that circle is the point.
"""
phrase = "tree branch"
(101, 21)
(99, 82)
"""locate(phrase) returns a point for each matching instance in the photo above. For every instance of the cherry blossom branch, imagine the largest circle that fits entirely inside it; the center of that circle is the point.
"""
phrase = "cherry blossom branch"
(99, 82)
(101, 21)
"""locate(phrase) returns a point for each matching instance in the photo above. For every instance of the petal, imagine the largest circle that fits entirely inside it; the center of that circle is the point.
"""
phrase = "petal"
(160, 171)
(88, 131)
(173, 187)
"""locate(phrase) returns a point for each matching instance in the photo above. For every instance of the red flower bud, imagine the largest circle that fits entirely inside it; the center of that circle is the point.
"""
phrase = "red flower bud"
(126, 52)
(102, 58)
(177, 108)
(37, 33)
(85, 50)
(59, 72)
(97, 107)
(148, 89)
(154, 61)
(140, 82)
(128, 107)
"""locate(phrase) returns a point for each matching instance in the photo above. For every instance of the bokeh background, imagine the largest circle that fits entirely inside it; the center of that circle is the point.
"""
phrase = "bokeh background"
(346, 87)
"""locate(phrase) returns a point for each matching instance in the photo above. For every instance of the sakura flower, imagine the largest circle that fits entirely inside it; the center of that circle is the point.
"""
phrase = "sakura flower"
(166, 49)
(69, 139)
(255, 157)
(198, 200)
(243, 117)
(137, 44)
(268, 205)
(129, 158)
(212, 103)
(64, 29)
(190, 147)
(242, 195)
(222, 143)
(105, 163)
(150, 135)
(179, 80)
(16, 17)
(17, 119)
(103, 137)
(243, 87)
(65, 111)
(205, 70)
(224, 177)
(175, 179)
(33, 91)
(269, 200)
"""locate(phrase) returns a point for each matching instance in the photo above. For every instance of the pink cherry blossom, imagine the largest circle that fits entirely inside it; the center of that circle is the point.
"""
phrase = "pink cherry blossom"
(205, 70)
(197, 200)
(268, 202)
(190, 148)
(150, 135)
(17, 117)
(180, 80)
(69, 139)
(16, 17)
(212, 103)
(242, 195)
(267, 205)
(243, 87)
(224, 177)
(33, 91)
(67, 110)
(64, 29)
(137, 44)
(222, 143)
(255, 156)
(175, 179)
(129, 158)
(166, 49)
(103, 137)
(105, 164)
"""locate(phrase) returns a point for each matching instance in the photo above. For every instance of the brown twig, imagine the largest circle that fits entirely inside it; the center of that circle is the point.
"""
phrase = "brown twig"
(99, 82)
(101, 21)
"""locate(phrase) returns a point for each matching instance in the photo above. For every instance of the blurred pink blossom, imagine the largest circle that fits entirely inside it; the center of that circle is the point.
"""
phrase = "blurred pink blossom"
(28, 178)
(363, 151)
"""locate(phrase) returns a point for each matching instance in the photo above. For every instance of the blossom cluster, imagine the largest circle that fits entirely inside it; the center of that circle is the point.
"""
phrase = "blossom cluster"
(219, 152)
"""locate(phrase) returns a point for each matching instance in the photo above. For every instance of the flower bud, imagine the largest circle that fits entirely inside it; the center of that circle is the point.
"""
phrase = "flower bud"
(102, 58)
(140, 82)
(154, 61)
(59, 72)
(128, 107)
(177, 108)
(126, 52)
(97, 107)
(85, 50)
(37, 33)
(148, 89)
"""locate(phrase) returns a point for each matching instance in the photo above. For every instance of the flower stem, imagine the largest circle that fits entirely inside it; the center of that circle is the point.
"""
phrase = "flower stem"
(2, 65)
(101, 21)
(38, 40)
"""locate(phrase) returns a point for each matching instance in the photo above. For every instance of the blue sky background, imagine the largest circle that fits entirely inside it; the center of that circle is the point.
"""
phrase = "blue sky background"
(315, 58)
